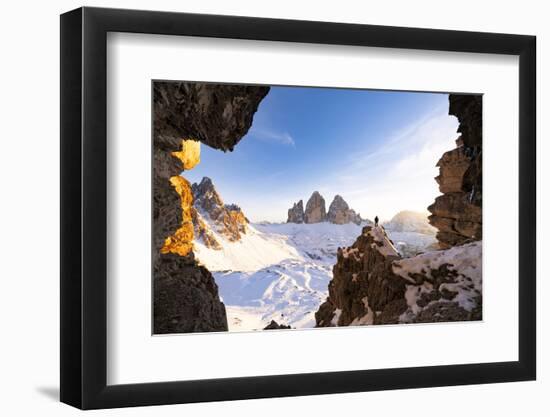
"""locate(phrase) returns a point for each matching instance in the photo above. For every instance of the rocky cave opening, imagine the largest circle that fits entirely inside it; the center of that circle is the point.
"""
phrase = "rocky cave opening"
(367, 288)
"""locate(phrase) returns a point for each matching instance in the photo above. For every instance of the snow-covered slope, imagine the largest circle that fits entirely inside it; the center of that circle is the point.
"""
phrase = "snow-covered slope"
(288, 292)
(253, 251)
(318, 241)
(466, 282)
(277, 271)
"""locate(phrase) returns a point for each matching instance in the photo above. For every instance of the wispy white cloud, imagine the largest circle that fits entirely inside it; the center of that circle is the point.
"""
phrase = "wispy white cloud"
(401, 141)
(400, 174)
(266, 135)
(391, 173)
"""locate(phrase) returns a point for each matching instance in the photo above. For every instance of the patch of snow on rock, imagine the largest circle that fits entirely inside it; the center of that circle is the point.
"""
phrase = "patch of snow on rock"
(465, 260)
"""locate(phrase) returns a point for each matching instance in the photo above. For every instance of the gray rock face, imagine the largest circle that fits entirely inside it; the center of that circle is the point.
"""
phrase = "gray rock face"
(340, 213)
(296, 213)
(186, 297)
(185, 294)
(457, 213)
(315, 209)
(207, 198)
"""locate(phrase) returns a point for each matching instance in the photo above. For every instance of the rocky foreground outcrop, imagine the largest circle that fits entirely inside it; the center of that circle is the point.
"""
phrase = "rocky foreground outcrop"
(315, 212)
(457, 213)
(372, 285)
(185, 294)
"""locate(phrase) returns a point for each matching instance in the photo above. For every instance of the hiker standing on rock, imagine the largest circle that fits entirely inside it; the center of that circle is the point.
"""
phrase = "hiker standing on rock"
(376, 221)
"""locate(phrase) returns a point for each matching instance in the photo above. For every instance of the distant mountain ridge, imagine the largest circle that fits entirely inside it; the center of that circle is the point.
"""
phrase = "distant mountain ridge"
(278, 272)
(339, 211)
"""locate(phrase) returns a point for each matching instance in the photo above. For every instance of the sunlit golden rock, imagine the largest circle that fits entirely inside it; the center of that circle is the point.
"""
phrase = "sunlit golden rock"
(181, 242)
(190, 154)
(234, 223)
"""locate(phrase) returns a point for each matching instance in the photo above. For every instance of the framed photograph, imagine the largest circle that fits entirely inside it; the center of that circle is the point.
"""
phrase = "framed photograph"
(259, 208)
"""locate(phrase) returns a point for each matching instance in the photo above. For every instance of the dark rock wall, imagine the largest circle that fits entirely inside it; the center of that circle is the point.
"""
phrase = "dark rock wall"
(217, 115)
(186, 296)
(458, 212)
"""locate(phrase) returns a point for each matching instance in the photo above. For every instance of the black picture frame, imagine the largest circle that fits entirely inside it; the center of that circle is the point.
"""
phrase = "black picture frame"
(84, 207)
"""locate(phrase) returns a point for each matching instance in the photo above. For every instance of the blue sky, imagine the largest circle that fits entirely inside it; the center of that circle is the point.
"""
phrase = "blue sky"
(378, 149)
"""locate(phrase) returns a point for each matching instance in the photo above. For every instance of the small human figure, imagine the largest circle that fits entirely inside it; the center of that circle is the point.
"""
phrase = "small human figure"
(376, 221)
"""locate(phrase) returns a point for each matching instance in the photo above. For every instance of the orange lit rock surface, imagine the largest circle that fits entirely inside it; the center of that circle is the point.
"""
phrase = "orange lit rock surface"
(181, 242)
(185, 294)
(190, 154)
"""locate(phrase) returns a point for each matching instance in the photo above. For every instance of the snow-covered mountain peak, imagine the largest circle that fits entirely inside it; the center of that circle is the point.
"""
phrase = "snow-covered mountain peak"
(410, 221)
(227, 220)
(205, 195)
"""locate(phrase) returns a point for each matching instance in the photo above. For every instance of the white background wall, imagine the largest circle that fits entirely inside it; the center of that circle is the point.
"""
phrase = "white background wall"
(29, 219)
